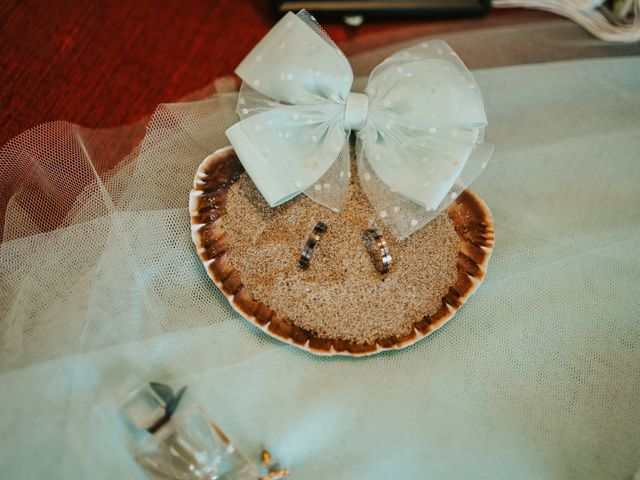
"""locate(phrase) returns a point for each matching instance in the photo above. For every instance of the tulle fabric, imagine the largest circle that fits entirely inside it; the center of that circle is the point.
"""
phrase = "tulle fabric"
(536, 377)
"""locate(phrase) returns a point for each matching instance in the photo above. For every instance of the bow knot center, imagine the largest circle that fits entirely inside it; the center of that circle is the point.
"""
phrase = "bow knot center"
(355, 111)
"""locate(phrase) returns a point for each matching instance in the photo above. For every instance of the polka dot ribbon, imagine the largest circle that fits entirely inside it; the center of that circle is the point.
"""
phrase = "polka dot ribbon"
(419, 125)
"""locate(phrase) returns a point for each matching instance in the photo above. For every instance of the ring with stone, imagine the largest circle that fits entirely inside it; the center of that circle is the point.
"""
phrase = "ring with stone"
(379, 250)
(310, 246)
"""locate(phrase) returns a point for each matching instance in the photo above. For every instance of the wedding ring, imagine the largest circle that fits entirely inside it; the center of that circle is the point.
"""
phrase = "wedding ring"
(379, 250)
(310, 246)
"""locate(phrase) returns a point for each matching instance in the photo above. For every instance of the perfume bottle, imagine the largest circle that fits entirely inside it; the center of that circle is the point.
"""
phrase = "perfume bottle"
(185, 445)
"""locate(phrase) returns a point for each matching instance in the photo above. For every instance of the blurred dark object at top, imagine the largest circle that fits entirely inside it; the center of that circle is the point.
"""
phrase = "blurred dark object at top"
(355, 12)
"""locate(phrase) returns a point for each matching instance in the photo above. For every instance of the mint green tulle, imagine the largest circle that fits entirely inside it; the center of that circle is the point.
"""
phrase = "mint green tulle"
(537, 377)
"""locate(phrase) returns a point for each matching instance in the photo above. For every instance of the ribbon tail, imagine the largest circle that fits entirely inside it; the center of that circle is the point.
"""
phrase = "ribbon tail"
(270, 182)
(332, 188)
(401, 214)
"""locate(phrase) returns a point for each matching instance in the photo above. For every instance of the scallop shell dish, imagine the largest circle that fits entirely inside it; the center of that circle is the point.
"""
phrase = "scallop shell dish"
(340, 305)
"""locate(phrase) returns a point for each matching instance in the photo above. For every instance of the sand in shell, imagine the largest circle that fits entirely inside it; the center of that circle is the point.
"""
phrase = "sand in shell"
(340, 296)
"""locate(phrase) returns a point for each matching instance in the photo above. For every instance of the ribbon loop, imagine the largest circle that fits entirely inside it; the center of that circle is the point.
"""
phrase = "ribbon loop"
(355, 112)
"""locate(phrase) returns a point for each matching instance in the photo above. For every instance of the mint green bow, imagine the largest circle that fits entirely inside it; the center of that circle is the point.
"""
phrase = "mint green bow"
(420, 125)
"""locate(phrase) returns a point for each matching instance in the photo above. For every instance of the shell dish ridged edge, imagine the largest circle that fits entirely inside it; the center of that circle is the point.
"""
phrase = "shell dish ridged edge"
(471, 218)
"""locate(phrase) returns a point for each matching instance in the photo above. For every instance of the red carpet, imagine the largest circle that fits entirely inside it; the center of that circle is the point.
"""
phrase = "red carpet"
(106, 63)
